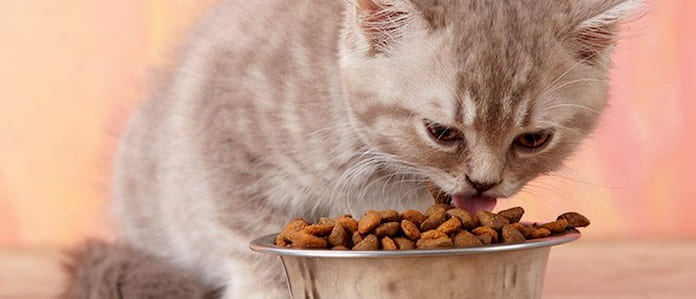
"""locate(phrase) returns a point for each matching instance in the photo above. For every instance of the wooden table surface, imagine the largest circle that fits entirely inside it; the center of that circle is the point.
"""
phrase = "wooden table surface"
(584, 269)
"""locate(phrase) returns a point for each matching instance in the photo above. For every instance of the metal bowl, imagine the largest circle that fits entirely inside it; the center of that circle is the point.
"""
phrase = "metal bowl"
(494, 271)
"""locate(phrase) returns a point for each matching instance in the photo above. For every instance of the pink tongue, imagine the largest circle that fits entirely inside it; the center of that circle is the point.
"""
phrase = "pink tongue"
(475, 203)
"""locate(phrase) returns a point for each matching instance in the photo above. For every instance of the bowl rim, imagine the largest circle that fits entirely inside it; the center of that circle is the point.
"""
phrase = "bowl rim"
(265, 245)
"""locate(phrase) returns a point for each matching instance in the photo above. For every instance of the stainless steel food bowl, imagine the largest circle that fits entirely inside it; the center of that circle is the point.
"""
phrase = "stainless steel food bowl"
(495, 271)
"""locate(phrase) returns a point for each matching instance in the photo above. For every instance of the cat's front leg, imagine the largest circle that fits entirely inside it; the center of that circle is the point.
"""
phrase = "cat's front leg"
(255, 276)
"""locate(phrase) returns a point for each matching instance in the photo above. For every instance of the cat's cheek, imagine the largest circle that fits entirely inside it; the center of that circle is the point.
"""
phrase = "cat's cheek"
(510, 186)
(404, 143)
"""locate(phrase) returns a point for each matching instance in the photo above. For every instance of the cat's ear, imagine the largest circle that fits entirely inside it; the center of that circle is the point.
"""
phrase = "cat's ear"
(380, 25)
(599, 32)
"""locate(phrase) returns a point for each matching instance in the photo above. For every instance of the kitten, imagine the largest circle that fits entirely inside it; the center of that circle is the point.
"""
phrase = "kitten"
(285, 108)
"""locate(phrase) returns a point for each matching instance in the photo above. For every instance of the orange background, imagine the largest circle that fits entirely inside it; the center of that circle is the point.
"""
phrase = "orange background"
(72, 71)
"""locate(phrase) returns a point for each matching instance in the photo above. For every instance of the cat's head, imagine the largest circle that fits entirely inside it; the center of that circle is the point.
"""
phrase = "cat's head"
(478, 96)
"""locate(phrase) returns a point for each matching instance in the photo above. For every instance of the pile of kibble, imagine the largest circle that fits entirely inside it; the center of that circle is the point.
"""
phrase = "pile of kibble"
(441, 226)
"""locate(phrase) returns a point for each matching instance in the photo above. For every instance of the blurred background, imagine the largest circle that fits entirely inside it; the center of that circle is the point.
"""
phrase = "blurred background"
(71, 72)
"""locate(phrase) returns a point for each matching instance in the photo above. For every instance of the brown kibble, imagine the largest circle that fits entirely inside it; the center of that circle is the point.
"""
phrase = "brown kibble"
(512, 235)
(434, 243)
(357, 237)
(318, 229)
(486, 239)
(438, 195)
(433, 234)
(557, 226)
(293, 227)
(526, 230)
(465, 239)
(404, 243)
(434, 220)
(443, 226)
(388, 244)
(491, 220)
(295, 233)
(488, 231)
(414, 216)
(540, 233)
(339, 236)
(370, 242)
(348, 223)
(387, 229)
(513, 215)
(390, 216)
(324, 220)
(296, 225)
(450, 226)
(370, 221)
(575, 219)
(305, 240)
(468, 222)
(281, 241)
(410, 229)
(436, 208)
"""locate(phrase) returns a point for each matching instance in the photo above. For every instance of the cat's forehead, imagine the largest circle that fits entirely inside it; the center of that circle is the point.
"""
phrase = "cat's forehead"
(551, 15)
(497, 41)
(502, 53)
(497, 94)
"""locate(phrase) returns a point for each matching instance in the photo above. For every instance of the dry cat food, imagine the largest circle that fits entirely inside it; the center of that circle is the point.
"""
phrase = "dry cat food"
(441, 226)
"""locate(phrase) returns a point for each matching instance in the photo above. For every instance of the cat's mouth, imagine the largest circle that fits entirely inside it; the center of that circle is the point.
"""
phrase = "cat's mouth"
(473, 203)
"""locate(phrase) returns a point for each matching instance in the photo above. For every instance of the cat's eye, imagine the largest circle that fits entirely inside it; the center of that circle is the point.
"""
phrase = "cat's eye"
(534, 140)
(442, 133)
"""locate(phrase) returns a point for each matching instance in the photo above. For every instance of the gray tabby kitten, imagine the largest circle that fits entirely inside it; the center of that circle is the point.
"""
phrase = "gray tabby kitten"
(285, 108)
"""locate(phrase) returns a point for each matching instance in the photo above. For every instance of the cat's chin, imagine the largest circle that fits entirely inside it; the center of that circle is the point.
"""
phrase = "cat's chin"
(474, 203)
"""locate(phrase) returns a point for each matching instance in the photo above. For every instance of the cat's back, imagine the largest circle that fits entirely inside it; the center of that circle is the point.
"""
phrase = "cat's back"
(242, 27)
(238, 48)
(235, 46)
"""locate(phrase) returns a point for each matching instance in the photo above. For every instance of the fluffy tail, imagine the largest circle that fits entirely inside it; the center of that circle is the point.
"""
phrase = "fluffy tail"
(97, 270)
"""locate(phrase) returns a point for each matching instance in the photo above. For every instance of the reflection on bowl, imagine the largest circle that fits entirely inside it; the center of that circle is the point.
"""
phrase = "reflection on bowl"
(494, 271)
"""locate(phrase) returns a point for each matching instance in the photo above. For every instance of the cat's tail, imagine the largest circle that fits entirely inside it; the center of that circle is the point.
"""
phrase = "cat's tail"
(102, 270)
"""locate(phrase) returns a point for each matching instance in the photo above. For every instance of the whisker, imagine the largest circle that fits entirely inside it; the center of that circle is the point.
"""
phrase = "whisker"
(546, 188)
(587, 183)
(568, 83)
(412, 191)
(573, 106)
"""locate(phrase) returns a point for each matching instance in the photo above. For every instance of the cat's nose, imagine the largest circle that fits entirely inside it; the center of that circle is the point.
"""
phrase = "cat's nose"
(480, 186)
